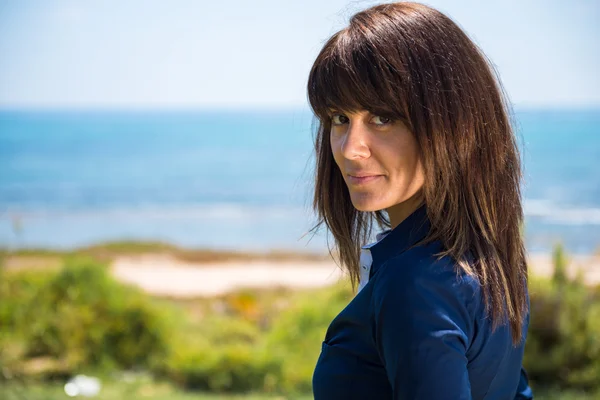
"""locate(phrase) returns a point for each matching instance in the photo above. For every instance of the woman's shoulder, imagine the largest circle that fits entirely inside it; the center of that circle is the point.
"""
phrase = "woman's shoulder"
(426, 294)
(420, 272)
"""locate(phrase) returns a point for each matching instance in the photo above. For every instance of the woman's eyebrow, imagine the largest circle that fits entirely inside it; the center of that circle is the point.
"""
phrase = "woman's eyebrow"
(353, 112)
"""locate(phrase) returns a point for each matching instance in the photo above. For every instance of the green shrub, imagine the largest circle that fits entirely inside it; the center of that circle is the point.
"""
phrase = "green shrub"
(563, 343)
(80, 318)
(296, 336)
(228, 353)
(232, 368)
(226, 330)
(17, 289)
(221, 353)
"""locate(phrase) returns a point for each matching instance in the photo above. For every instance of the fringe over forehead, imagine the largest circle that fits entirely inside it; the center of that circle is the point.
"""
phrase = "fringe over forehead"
(360, 69)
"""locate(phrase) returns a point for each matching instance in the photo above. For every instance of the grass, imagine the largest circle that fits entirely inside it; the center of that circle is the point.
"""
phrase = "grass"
(144, 389)
(148, 390)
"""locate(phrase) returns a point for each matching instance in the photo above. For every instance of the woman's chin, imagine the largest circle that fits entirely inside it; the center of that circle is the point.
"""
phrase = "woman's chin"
(366, 206)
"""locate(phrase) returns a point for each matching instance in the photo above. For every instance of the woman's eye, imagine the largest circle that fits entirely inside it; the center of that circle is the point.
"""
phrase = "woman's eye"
(381, 120)
(339, 119)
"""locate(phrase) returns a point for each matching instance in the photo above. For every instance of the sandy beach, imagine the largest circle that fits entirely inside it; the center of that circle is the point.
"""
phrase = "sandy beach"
(165, 275)
(168, 276)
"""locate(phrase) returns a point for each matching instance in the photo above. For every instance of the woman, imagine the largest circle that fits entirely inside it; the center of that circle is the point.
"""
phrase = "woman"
(414, 136)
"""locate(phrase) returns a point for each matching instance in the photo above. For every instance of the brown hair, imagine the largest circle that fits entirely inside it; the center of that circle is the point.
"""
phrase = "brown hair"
(412, 63)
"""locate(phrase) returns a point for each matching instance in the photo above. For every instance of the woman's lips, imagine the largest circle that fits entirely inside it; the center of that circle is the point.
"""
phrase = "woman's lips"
(361, 180)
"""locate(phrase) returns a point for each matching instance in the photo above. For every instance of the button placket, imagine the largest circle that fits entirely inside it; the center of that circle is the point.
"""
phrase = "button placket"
(365, 267)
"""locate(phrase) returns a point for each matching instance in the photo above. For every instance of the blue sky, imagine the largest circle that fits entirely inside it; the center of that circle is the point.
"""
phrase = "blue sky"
(240, 53)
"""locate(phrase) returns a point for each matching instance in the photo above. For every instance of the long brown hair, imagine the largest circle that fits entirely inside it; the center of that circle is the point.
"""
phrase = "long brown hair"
(412, 63)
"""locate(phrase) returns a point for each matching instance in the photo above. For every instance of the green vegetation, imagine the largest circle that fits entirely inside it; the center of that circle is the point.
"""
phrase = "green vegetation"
(54, 324)
(147, 389)
(110, 250)
(78, 319)
(58, 322)
(563, 344)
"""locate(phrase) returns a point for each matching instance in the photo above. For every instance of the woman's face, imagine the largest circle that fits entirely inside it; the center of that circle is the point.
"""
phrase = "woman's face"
(379, 159)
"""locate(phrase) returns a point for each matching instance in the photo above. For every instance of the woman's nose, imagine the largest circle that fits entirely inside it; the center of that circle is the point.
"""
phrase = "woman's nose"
(355, 144)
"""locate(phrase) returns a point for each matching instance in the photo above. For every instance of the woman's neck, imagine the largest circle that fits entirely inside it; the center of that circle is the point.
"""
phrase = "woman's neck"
(401, 211)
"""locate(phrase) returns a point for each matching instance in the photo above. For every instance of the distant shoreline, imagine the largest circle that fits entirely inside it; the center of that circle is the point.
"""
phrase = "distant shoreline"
(108, 251)
(111, 249)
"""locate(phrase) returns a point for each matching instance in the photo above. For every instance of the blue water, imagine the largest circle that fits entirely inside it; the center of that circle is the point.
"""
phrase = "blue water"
(238, 179)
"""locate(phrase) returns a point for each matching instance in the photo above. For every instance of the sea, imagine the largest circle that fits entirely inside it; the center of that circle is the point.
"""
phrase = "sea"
(240, 179)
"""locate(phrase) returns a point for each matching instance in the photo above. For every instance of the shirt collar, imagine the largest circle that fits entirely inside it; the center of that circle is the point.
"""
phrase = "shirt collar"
(378, 238)
(393, 242)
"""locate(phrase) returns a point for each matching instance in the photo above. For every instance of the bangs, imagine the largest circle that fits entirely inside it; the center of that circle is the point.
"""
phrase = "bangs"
(350, 75)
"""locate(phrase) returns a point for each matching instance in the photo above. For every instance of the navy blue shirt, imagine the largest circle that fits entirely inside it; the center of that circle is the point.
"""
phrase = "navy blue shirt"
(418, 330)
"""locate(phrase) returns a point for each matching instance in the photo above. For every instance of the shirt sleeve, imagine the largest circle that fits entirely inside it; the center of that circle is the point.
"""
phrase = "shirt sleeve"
(523, 390)
(422, 327)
